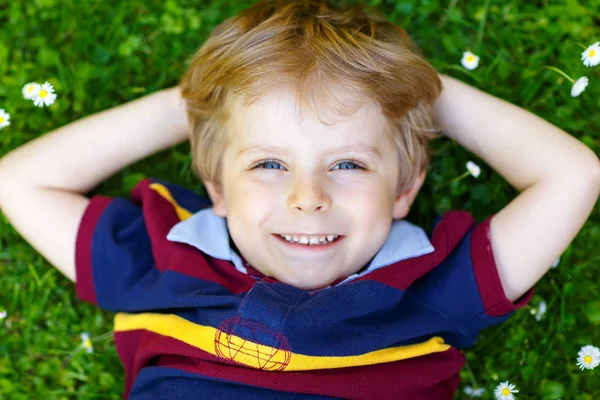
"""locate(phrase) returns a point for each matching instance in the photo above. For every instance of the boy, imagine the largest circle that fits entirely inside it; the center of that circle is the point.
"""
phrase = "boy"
(211, 296)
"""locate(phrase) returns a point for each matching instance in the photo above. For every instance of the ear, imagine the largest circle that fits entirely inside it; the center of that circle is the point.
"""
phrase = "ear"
(215, 191)
(405, 199)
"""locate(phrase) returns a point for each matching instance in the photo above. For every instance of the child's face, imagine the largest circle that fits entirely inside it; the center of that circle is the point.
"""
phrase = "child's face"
(306, 188)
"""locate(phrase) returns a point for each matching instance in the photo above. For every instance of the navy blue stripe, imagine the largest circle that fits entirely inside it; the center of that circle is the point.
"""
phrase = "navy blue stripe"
(350, 319)
(157, 383)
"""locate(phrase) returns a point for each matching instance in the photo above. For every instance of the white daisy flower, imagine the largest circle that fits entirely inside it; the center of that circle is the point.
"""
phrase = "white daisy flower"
(30, 90)
(591, 56)
(474, 392)
(505, 390)
(469, 60)
(579, 86)
(473, 169)
(45, 96)
(542, 308)
(86, 342)
(556, 263)
(588, 357)
(4, 118)
(2, 314)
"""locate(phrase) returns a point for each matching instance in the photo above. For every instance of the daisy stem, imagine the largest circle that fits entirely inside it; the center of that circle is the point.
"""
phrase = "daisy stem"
(581, 45)
(482, 24)
(70, 356)
(442, 20)
(455, 179)
(102, 336)
(560, 72)
(473, 381)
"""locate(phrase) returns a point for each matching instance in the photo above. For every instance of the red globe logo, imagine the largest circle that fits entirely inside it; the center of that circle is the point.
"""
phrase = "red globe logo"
(239, 340)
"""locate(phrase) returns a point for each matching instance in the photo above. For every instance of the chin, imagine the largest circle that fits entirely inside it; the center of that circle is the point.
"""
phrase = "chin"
(304, 285)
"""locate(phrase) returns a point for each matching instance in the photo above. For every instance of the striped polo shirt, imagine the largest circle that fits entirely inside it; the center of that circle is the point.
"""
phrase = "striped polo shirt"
(192, 317)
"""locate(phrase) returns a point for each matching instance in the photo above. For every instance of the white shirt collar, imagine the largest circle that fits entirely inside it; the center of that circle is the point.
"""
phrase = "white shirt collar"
(208, 233)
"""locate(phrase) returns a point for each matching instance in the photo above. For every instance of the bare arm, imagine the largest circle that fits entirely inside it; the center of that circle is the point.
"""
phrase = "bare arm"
(558, 176)
(42, 183)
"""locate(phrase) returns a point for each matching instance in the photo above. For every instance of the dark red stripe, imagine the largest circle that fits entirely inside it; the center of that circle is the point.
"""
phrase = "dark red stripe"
(486, 273)
(160, 217)
(84, 280)
(140, 190)
(396, 380)
(445, 237)
(433, 376)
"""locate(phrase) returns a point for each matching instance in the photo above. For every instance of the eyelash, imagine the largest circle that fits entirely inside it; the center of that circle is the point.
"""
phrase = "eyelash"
(355, 163)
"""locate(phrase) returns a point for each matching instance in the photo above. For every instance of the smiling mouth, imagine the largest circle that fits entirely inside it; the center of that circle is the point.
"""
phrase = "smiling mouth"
(315, 246)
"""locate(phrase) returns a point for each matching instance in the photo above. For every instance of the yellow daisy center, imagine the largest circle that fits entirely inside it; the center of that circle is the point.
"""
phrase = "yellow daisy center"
(30, 88)
(587, 359)
(43, 93)
(592, 52)
(505, 392)
(88, 343)
(1, 120)
(470, 58)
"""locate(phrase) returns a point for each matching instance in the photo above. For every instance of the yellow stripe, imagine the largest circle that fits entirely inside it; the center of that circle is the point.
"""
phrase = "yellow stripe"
(182, 213)
(259, 356)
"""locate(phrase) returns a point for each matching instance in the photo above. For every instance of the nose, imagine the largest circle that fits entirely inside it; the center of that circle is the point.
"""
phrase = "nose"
(308, 195)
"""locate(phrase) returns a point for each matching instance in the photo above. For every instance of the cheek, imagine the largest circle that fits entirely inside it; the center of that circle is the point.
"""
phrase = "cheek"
(368, 208)
(258, 191)
(251, 200)
(372, 194)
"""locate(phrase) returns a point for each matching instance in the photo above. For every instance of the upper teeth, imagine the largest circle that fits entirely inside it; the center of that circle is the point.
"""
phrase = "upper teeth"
(310, 239)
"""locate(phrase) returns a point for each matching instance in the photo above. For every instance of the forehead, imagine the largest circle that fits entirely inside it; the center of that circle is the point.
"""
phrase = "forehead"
(278, 116)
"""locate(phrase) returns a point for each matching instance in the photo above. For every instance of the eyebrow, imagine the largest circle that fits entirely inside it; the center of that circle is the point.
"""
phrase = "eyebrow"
(355, 148)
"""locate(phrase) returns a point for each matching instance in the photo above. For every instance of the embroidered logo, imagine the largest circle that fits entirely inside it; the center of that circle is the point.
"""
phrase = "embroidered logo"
(253, 344)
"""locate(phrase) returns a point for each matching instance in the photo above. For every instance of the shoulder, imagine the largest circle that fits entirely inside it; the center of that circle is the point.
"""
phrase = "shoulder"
(452, 226)
(151, 192)
(122, 240)
(448, 232)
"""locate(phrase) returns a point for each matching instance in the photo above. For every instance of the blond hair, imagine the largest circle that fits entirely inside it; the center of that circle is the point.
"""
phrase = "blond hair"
(311, 47)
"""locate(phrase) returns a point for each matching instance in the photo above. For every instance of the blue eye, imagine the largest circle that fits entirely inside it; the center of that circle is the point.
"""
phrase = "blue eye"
(264, 163)
(349, 162)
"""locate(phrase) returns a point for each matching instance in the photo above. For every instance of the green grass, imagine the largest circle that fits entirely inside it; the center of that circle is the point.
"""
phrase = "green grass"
(99, 54)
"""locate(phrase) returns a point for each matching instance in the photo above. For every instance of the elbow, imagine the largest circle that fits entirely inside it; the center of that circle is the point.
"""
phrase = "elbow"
(585, 164)
(5, 174)
(589, 171)
(15, 171)
(9, 179)
(5, 168)
(593, 167)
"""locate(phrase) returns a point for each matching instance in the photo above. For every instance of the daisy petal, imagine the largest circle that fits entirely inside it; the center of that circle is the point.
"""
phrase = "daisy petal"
(30, 90)
(86, 342)
(579, 86)
(469, 60)
(542, 308)
(473, 169)
(591, 56)
(505, 390)
(4, 118)
(45, 96)
(588, 357)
